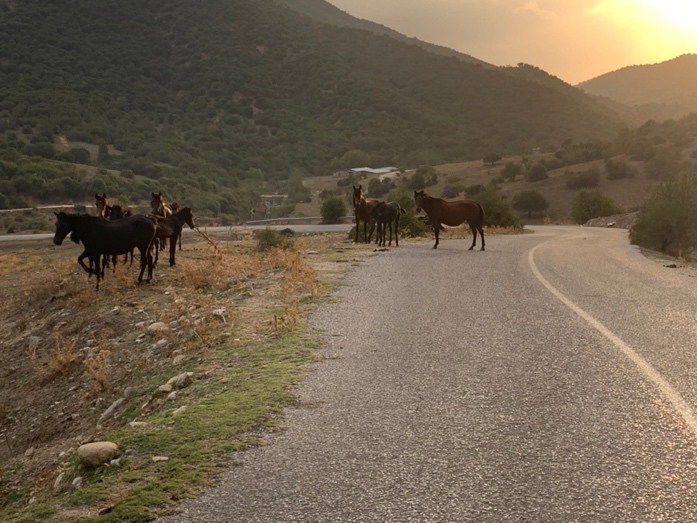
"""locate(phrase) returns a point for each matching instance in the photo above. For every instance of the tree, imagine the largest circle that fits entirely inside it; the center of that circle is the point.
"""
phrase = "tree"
(497, 209)
(491, 158)
(668, 220)
(530, 201)
(537, 172)
(511, 170)
(592, 204)
(333, 210)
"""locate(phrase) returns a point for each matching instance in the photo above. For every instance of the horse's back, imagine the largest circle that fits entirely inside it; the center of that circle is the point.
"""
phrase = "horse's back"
(453, 213)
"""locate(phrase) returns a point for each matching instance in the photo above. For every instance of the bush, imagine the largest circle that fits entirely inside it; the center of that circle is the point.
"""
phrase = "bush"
(537, 172)
(511, 170)
(497, 210)
(333, 210)
(618, 169)
(589, 178)
(592, 204)
(667, 222)
(530, 201)
(269, 239)
(452, 190)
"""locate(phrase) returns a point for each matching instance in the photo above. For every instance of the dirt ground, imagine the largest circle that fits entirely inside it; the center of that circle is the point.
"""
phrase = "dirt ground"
(68, 352)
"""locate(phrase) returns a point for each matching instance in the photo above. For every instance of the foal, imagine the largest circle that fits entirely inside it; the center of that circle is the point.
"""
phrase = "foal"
(382, 215)
(361, 210)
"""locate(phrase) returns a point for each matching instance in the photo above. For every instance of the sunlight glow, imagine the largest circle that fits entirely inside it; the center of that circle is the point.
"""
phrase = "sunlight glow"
(659, 29)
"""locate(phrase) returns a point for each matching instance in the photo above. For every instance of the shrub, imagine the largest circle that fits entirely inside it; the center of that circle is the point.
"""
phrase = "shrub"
(618, 169)
(511, 170)
(589, 178)
(497, 209)
(491, 158)
(530, 201)
(592, 204)
(333, 210)
(269, 239)
(668, 220)
(451, 190)
(537, 172)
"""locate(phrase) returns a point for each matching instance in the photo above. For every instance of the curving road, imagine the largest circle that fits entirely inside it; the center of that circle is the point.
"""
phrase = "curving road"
(551, 378)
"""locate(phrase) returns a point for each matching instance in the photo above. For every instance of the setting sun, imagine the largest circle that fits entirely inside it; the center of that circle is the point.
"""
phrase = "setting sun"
(679, 14)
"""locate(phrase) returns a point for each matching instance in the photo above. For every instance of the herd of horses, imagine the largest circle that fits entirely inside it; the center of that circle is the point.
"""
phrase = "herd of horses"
(115, 231)
(376, 213)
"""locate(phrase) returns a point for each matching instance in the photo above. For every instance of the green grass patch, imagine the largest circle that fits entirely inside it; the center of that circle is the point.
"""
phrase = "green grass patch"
(224, 414)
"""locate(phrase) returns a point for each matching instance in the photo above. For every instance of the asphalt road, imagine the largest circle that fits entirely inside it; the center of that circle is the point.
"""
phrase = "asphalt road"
(550, 378)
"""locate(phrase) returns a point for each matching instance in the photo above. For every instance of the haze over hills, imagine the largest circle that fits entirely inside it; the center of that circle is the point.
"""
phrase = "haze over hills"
(663, 90)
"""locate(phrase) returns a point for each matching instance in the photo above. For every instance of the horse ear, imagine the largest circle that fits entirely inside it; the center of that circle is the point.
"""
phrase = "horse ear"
(96, 196)
(153, 194)
(360, 186)
(54, 212)
(104, 195)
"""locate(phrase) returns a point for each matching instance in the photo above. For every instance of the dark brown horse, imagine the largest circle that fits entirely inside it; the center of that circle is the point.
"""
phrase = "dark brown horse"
(382, 215)
(361, 210)
(171, 227)
(441, 212)
(105, 238)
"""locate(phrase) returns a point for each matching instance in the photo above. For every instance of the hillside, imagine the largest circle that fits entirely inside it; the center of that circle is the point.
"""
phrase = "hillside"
(666, 89)
(216, 103)
(327, 13)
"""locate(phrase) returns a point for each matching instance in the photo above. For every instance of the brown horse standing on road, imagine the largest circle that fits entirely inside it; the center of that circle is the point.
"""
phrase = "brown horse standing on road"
(441, 212)
(361, 210)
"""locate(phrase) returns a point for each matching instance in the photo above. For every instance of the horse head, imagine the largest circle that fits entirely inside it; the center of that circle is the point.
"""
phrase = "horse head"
(357, 195)
(102, 205)
(189, 217)
(419, 197)
(63, 227)
(158, 204)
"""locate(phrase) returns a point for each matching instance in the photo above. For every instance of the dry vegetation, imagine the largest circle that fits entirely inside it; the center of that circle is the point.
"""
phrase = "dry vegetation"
(69, 352)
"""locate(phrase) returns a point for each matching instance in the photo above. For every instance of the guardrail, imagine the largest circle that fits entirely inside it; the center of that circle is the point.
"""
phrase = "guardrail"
(308, 219)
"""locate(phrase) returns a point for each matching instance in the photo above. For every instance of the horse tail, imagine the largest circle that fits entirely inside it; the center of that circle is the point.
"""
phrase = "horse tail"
(481, 213)
(401, 209)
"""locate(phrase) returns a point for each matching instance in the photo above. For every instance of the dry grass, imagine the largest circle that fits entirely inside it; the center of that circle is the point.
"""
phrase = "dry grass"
(63, 355)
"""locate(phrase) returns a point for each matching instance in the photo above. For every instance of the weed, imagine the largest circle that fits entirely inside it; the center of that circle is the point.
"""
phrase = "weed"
(62, 356)
(99, 369)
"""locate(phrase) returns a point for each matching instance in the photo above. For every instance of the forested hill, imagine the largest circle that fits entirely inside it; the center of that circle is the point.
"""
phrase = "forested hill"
(246, 92)
(668, 88)
(329, 14)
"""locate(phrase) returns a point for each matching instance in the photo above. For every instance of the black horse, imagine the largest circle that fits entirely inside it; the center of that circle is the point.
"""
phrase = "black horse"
(116, 212)
(103, 237)
(382, 215)
(171, 227)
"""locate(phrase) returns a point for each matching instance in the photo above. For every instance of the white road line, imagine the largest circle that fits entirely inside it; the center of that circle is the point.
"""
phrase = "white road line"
(672, 395)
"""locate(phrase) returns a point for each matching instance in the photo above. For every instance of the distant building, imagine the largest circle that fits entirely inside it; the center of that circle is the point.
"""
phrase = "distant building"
(368, 170)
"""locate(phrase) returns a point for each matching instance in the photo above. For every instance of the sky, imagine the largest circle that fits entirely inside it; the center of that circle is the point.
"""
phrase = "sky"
(574, 40)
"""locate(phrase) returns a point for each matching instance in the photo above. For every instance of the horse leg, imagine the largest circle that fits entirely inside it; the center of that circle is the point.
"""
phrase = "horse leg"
(436, 231)
(390, 244)
(172, 250)
(481, 232)
(89, 270)
(97, 263)
(474, 235)
(358, 225)
(396, 231)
